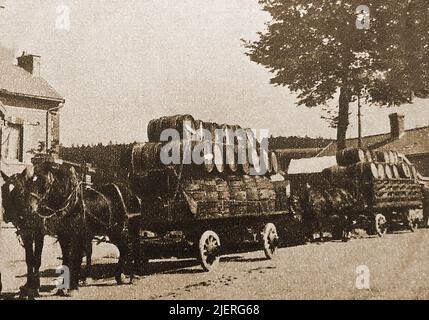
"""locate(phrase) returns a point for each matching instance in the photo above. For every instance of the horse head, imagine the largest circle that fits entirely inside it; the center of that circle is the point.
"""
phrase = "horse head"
(50, 186)
(15, 195)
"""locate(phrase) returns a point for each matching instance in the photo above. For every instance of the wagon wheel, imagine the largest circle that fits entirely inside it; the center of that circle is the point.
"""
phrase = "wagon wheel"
(270, 240)
(380, 224)
(410, 220)
(209, 250)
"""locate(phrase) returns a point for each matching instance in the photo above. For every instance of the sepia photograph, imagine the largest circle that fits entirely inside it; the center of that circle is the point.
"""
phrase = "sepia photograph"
(228, 151)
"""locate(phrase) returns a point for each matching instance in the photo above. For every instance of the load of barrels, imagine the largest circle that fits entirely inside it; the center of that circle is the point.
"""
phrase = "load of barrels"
(230, 195)
(389, 178)
(379, 165)
(235, 151)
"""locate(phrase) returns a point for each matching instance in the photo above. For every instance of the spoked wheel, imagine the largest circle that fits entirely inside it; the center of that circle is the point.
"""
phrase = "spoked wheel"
(380, 225)
(209, 250)
(270, 240)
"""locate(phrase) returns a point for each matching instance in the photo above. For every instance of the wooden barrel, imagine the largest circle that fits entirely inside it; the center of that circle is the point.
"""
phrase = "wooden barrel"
(152, 129)
(231, 157)
(274, 162)
(368, 156)
(251, 139)
(205, 150)
(367, 170)
(266, 161)
(350, 156)
(404, 171)
(380, 171)
(136, 158)
(395, 157)
(218, 157)
(335, 174)
(388, 171)
(392, 158)
(176, 122)
(199, 129)
(210, 128)
(414, 172)
(395, 171)
(255, 160)
(146, 157)
(382, 156)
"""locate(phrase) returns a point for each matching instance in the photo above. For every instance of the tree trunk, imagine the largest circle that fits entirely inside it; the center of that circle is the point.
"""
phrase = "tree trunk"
(343, 117)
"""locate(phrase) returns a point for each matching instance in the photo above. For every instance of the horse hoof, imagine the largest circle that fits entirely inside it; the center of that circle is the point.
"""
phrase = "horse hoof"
(87, 281)
(26, 292)
(66, 293)
(61, 293)
(120, 279)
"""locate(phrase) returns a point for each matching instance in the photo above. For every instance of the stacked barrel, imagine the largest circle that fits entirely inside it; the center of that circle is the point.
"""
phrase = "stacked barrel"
(220, 170)
(389, 177)
(222, 148)
(380, 165)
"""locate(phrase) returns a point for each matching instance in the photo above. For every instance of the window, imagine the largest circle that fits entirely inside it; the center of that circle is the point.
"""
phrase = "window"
(13, 142)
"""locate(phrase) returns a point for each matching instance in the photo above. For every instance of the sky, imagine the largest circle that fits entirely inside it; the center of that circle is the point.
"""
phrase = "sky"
(125, 62)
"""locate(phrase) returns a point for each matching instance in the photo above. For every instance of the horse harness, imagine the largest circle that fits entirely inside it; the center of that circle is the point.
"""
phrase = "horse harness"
(75, 198)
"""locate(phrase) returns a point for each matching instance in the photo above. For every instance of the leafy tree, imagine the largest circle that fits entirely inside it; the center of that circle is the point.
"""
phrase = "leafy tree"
(323, 47)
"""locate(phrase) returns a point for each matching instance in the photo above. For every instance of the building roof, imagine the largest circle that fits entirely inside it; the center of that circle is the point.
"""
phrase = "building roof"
(16, 81)
(311, 165)
(414, 141)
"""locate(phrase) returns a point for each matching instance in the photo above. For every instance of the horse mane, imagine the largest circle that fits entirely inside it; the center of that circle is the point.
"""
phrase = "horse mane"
(65, 176)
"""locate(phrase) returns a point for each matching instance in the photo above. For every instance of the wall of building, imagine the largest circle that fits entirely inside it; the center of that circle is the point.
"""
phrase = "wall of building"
(421, 161)
(31, 114)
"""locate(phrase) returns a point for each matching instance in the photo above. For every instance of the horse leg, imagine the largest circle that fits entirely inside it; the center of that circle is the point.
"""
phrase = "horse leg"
(88, 254)
(77, 247)
(38, 249)
(123, 247)
(65, 249)
(27, 289)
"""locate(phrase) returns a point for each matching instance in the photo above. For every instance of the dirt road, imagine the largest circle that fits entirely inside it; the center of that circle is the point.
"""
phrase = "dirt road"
(398, 269)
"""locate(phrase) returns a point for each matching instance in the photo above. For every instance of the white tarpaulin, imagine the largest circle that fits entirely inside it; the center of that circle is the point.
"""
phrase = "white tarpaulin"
(311, 165)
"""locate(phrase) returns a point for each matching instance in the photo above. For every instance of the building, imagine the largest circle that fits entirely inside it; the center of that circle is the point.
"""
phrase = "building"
(29, 111)
(414, 143)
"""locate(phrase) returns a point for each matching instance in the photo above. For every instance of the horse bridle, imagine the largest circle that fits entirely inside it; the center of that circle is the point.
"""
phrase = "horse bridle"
(67, 205)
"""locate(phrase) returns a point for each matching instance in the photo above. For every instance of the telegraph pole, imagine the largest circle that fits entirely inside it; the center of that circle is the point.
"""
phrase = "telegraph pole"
(359, 123)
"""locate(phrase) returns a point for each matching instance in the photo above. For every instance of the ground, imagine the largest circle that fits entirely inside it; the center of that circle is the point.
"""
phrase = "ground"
(398, 267)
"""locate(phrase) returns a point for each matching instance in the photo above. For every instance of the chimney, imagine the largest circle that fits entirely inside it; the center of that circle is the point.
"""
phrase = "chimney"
(397, 125)
(30, 63)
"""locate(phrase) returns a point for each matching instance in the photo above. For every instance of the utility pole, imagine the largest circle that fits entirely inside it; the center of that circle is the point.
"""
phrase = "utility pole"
(359, 123)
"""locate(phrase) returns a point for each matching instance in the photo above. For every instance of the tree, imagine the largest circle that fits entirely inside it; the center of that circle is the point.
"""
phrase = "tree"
(324, 47)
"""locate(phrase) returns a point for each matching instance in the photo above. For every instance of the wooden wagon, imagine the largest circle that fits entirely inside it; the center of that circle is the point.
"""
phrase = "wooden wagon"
(388, 204)
(382, 198)
(200, 215)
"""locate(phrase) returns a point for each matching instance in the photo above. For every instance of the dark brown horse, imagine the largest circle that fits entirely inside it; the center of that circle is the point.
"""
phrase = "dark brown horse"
(14, 198)
(67, 207)
(329, 210)
(15, 195)
(53, 201)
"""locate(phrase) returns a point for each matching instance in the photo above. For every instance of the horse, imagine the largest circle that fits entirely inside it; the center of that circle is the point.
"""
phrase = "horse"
(67, 206)
(50, 200)
(329, 208)
(14, 192)
(14, 197)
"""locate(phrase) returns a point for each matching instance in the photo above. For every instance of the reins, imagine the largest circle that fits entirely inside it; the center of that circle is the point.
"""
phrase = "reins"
(75, 197)
(68, 204)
